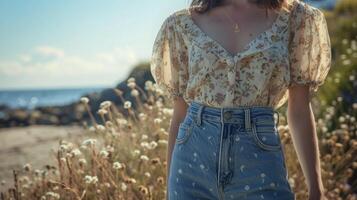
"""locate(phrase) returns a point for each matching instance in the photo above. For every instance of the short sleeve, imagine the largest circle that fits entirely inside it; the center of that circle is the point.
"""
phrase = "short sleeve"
(309, 47)
(169, 61)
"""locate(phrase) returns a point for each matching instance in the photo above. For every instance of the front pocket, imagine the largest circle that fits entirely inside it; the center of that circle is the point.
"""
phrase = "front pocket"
(184, 130)
(266, 137)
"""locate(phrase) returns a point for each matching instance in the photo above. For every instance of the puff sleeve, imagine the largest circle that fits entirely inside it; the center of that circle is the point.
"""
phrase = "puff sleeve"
(309, 47)
(169, 61)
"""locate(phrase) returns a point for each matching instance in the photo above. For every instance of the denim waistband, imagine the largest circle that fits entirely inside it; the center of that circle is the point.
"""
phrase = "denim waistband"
(239, 114)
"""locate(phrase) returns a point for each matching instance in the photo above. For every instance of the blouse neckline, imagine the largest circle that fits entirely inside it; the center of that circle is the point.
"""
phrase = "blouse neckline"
(279, 21)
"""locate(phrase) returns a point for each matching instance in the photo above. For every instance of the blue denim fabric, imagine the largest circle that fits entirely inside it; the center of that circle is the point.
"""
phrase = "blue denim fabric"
(228, 153)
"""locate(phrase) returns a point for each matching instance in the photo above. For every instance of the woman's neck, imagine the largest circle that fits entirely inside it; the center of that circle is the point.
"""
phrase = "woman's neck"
(238, 4)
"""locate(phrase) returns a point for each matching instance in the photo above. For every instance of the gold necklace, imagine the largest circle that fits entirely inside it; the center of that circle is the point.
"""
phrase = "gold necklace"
(235, 24)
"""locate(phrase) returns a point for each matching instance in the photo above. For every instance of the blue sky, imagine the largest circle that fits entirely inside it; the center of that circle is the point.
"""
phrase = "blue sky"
(76, 43)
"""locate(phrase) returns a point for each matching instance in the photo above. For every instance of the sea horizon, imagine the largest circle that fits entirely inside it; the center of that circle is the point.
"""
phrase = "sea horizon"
(30, 98)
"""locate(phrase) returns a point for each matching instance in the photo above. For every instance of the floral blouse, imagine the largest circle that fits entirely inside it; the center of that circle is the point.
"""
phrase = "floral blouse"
(186, 62)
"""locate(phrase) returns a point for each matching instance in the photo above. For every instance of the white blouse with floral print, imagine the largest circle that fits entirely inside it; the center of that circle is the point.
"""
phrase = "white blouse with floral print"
(296, 49)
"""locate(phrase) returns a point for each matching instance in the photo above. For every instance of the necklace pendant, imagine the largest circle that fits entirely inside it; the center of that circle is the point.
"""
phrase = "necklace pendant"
(236, 28)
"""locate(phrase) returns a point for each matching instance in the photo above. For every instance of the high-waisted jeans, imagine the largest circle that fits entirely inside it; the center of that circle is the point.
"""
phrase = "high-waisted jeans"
(228, 153)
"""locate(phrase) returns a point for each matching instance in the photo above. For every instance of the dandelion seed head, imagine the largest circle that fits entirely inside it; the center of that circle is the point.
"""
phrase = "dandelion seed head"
(84, 100)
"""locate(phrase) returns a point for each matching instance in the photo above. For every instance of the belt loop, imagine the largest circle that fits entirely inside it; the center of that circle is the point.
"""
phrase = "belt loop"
(199, 113)
(247, 119)
(277, 122)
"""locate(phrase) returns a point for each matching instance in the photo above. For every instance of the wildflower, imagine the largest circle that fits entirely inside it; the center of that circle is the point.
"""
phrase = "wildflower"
(143, 190)
(102, 111)
(157, 121)
(144, 157)
(105, 104)
(76, 152)
(144, 137)
(84, 100)
(168, 111)
(123, 186)
(145, 145)
(90, 179)
(155, 161)
(134, 92)
(136, 152)
(91, 129)
(109, 123)
(162, 141)
(117, 165)
(148, 85)
(53, 195)
(89, 142)
(127, 104)
(131, 79)
(100, 128)
(160, 180)
(147, 174)
(82, 162)
(152, 145)
(354, 106)
(104, 153)
(142, 116)
(341, 119)
(27, 167)
(122, 121)
(131, 85)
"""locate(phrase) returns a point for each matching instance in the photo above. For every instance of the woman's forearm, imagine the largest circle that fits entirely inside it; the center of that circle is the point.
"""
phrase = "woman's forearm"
(171, 143)
(303, 132)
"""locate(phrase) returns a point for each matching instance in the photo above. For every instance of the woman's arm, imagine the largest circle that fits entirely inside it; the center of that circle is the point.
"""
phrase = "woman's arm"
(301, 122)
(180, 107)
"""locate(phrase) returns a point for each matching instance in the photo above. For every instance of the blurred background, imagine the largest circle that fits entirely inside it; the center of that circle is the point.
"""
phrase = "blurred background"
(52, 53)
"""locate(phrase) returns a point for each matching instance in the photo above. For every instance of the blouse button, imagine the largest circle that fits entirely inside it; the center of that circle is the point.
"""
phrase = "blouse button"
(231, 77)
(230, 62)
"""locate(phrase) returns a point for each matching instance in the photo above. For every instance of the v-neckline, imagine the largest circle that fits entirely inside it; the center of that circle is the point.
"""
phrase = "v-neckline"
(247, 46)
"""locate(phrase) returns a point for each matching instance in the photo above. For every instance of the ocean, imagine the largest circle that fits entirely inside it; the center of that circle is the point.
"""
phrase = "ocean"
(31, 98)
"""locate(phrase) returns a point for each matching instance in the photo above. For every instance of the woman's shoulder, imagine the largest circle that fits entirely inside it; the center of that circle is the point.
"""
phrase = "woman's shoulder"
(301, 8)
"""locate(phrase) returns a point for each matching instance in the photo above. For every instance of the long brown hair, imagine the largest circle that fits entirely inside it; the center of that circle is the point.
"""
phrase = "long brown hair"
(202, 6)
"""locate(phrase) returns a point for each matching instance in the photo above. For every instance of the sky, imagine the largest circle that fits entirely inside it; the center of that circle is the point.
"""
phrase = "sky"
(76, 43)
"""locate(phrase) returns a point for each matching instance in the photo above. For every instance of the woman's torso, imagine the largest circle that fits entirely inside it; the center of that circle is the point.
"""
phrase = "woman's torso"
(258, 75)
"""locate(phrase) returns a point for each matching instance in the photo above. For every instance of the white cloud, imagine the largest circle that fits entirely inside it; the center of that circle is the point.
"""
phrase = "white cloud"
(47, 66)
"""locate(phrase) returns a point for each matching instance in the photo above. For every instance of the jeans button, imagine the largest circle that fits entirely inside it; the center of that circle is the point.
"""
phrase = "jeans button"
(227, 115)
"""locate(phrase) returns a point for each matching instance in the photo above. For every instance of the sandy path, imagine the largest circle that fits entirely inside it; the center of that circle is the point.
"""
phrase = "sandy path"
(33, 144)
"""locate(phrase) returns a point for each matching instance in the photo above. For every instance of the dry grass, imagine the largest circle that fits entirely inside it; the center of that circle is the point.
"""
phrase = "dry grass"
(124, 157)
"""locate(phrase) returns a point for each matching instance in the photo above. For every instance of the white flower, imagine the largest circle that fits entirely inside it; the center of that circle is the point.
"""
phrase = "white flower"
(84, 100)
(131, 79)
(144, 137)
(134, 92)
(144, 157)
(131, 85)
(117, 165)
(82, 161)
(142, 116)
(162, 141)
(123, 186)
(136, 152)
(105, 104)
(157, 121)
(89, 142)
(153, 145)
(90, 179)
(76, 152)
(53, 195)
(100, 127)
(102, 111)
(149, 85)
(104, 153)
(147, 174)
(127, 104)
